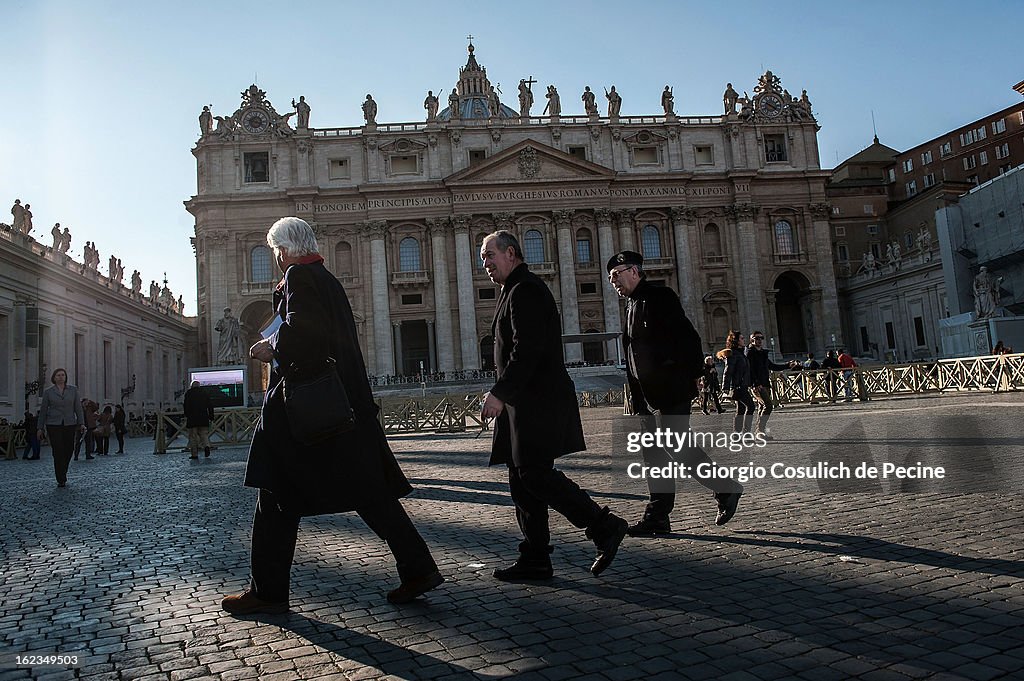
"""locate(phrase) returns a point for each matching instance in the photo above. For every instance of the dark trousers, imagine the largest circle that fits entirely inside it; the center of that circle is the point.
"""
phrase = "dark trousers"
(744, 410)
(662, 501)
(102, 444)
(62, 444)
(275, 530)
(120, 441)
(538, 486)
(87, 438)
(764, 408)
(31, 445)
(706, 398)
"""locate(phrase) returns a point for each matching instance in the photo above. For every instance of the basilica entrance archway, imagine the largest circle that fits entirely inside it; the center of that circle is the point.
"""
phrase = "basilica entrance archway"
(253, 319)
(791, 298)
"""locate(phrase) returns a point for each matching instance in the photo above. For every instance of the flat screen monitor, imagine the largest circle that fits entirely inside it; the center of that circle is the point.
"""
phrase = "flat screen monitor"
(225, 385)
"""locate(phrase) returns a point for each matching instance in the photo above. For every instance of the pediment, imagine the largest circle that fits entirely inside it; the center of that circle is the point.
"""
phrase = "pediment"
(530, 161)
(645, 137)
(403, 145)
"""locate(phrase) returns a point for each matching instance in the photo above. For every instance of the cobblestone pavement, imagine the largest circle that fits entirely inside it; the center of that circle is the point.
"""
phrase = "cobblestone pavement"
(125, 568)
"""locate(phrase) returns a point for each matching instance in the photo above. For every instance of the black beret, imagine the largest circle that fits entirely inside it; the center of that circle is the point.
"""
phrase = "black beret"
(625, 258)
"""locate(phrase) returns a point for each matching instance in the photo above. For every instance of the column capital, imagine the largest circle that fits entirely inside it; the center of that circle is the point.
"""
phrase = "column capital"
(743, 211)
(603, 217)
(563, 218)
(397, 324)
(460, 223)
(438, 226)
(683, 214)
(504, 220)
(625, 216)
(430, 323)
(821, 210)
(375, 229)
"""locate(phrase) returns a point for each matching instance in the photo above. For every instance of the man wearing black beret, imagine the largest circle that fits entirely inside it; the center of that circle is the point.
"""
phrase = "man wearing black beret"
(664, 359)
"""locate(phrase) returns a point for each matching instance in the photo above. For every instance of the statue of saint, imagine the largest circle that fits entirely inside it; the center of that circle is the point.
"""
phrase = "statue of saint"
(65, 243)
(986, 293)
(227, 342)
(205, 122)
(430, 104)
(614, 102)
(554, 105)
(27, 223)
(454, 105)
(112, 268)
(57, 238)
(729, 98)
(18, 211)
(302, 110)
(370, 111)
(525, 98)
(136, 283)
(668, 101)
(493, 103)
(589, 101)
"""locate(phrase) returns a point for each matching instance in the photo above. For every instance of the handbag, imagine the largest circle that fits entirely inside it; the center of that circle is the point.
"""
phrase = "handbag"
(316, 404)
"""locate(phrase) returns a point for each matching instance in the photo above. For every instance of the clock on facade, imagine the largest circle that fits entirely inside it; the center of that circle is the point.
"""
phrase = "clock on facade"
(255, 120)
(770, 105)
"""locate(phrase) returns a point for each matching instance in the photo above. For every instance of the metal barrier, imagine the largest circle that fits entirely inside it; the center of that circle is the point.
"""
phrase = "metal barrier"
(228, 427)
(12, 440)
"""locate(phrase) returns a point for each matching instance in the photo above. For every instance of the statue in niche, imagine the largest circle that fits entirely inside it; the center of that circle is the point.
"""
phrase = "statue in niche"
(370, 111)
(589, 101)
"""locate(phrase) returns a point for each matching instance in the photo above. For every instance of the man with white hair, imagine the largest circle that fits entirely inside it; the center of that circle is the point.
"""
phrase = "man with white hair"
(351, 471)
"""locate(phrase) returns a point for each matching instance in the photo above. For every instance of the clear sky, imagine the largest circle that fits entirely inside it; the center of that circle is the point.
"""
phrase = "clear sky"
(101, 98)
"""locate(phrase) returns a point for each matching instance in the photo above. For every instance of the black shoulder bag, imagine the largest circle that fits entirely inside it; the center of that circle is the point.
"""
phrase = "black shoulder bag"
(316, 403)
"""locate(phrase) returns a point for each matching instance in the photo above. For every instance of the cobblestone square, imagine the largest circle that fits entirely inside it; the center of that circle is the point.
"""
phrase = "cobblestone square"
(126, 566)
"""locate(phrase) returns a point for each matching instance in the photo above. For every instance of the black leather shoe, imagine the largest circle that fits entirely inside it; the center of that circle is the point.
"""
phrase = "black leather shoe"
(249, 603)
(525, 570)
(727, 504)
(607, 540)
(415, 588)
(648, 527)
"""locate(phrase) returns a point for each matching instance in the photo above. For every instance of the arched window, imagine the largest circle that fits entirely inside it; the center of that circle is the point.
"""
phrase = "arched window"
(650, 242)
(583, 255)
(343, 259)
(533, 246)
(475, 257)
(409, 255)
(719, 325)
(712, 241)
(259, 260)
(784, 244)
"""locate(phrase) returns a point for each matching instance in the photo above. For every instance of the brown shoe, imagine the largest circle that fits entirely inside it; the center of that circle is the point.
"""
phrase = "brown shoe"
(415, 588)
(249, 603)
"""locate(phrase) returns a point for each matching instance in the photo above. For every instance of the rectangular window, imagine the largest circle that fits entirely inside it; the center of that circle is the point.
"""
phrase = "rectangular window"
(704, 155)
(892, 174)
(412, 299)
(840, 230)
(865, 342)
(578, 152)
(404, 165)
(929, 179)
(643, 156)
(1004, 168)
(970, 162)
(908, 165)
(946, 149)
(911, 187)
(983, 157)
(476, 156)
(775, 148)
(890, 335)
(981, 133)
(999, 126)
(588, 288)
(583, 251)
(843, 253)
(919, 332)
(486, 293)
(926, 157)
(836, 210)
(973, 179)
(339, 169)
(872, 230)
(869, 209)
(257, 166)
(1003, 150)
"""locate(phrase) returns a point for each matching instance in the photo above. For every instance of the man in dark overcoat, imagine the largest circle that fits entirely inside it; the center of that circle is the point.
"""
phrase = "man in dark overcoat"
(352, 471)
(198, 414)
(664, 361)
(536, 416)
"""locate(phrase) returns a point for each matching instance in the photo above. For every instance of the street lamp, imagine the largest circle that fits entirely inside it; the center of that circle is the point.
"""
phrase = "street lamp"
(128, 390)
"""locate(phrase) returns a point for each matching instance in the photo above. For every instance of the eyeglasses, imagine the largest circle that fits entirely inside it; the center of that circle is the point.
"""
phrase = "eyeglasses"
(758, 337)
(614, 274)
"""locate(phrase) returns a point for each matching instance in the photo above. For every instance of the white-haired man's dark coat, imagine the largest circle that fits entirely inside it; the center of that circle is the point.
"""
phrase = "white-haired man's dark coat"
(346, 472)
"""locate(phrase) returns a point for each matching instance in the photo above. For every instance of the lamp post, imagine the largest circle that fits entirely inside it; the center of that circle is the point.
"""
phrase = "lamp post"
(128, 390)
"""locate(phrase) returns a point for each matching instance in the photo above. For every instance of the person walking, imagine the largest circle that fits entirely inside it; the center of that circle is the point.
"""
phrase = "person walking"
(710, 387)
(664, 361)
(104, 426)
(831, 363)
(351, 471)
(198, 415)
(31, 437)
(87, 436)
(119, 428)
(60, 412)
(736, 381)
(761, 367)
(536, 417)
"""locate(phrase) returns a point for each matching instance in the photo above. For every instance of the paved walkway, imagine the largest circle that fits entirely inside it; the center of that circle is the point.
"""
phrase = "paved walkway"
(126, 566)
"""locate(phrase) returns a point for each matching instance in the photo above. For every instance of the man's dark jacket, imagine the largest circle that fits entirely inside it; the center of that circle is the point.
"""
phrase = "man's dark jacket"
(664, 358)
(197, 408)
(351, 470)
(760, 366)
(541, 419)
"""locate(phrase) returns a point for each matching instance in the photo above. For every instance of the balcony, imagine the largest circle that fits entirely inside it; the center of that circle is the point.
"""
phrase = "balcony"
(789, 258)
(585, 267)
(543, 269)
(257, 288)
(410, 279)
(716, 261)
(658, 264)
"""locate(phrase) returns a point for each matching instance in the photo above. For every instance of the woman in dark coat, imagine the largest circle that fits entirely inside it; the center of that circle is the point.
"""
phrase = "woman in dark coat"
(736, 381)
(352, 471)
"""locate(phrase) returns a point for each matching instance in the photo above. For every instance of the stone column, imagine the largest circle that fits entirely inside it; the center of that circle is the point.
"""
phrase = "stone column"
(445, 359)
(686, 269)
(820, 238)
(609, 298)
(432, 348)
(627, 242)
(465, 262)
(567, 282)
(384, 357)
(399, 359)
(750, 298)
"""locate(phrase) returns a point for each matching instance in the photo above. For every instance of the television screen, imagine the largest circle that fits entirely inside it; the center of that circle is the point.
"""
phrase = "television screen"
(225, 385)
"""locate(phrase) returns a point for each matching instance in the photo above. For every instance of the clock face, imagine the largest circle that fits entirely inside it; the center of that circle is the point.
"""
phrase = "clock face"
(255, 120)
(770, 105)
